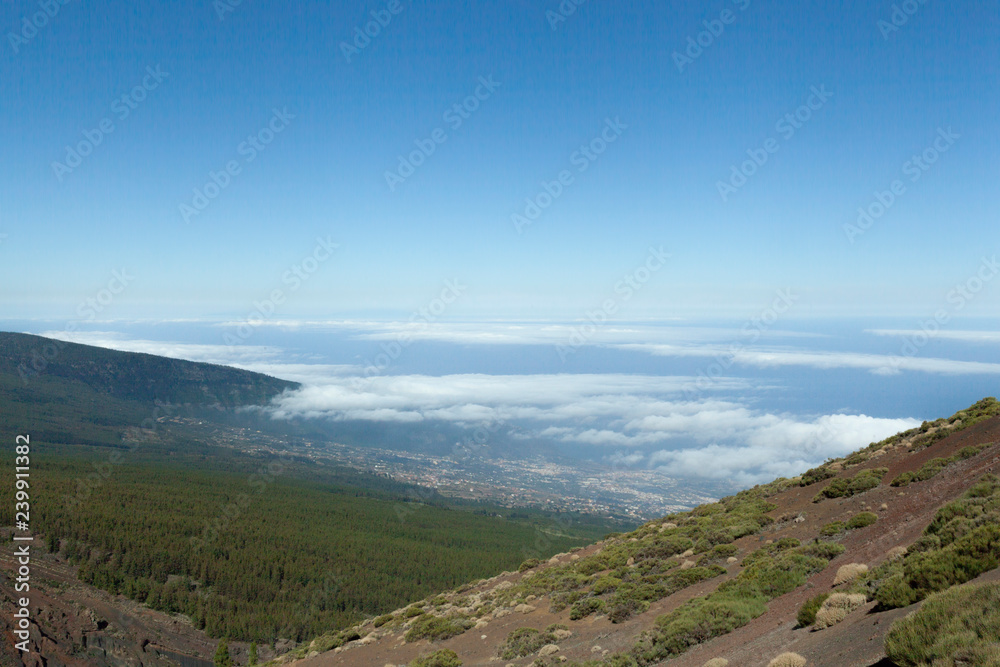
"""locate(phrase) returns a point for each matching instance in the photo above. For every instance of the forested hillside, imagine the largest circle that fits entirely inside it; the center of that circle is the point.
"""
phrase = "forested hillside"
(251, 545)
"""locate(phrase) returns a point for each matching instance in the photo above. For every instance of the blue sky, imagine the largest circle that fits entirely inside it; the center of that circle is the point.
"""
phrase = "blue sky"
(656, 185)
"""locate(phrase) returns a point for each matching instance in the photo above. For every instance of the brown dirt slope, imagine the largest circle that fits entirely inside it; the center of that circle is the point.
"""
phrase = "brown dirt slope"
(903, 513)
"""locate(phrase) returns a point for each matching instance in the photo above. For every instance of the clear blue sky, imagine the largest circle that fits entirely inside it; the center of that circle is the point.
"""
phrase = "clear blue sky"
(656, 185)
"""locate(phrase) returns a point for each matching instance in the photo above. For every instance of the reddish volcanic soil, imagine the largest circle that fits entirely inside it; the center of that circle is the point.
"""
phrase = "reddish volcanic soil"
(903, 515)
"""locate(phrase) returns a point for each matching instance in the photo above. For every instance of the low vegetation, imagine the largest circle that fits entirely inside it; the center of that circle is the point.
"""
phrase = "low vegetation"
(437, 628)
(836, 608)
(807, 613)
(933, 467)
(443, 658)
(845, 487)
(525, 641)
(788, 660)
(960, 626)
(961, 542)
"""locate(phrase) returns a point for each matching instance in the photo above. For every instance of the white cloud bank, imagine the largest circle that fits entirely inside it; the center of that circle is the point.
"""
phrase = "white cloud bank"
(878, 364)
(635, 417)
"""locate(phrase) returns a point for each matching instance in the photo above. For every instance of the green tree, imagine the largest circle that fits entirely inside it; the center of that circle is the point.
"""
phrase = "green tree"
(253, 653)
(222, 657)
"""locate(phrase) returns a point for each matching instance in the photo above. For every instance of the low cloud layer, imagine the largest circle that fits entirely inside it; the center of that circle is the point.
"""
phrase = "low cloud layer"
(638, 420)
(642, 420)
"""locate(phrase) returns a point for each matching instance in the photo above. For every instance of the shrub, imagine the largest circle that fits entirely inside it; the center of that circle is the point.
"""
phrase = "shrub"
(411, 612)
(585, 607)
(862, 520)
(824, 550)
(960, 626)
(443, 658)
(435, 628)
(829, 616)
(721, 551)
(529, 564)
(850, 572)
(816, 475)
(624, 609)
(866, 480)
(836, 608)
(523, 642)
(807, 614)
(896, 553)
(788, 660)
(382, 620)
(895, 593)
(717, 662)
(831, 529)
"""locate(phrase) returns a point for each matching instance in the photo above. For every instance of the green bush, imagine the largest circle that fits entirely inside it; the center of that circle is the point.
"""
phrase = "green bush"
(722, 551)
(831, 529)
(961, 542)
(960, 626)
(382, 620)
(935, 466)
(903, 479)
(435, 628)
(824, 550)
(815, 475)
(443, 658)
(623, 609)
(866, 480)
(336, 640)
(523, 642)
(529, 564)
(895, 593)
(411, 612)
(585, 607)
(862, 520)
(807, 614)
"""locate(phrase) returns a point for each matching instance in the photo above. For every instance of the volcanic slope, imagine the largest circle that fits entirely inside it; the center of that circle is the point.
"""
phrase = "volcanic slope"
(825, 566)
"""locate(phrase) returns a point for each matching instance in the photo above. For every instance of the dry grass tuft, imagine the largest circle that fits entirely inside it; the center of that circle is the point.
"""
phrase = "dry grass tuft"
(837, 607)
(717, 662)
(788, 660)
(850, 572)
